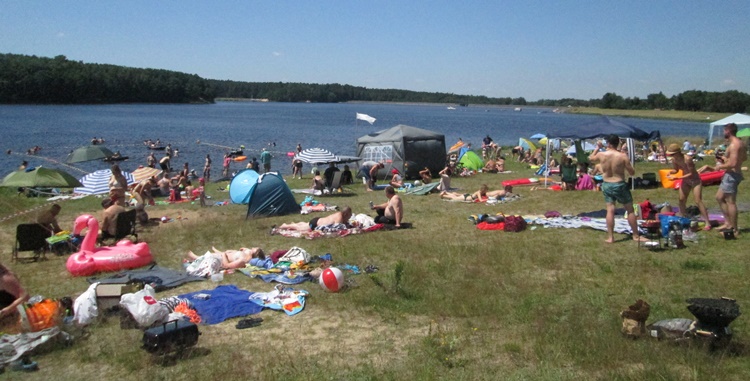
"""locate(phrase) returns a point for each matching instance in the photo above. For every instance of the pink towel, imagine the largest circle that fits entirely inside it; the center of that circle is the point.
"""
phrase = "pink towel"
(585, 182)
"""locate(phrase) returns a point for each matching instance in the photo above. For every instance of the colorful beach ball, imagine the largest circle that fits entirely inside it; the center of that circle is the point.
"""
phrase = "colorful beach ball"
(332, 279)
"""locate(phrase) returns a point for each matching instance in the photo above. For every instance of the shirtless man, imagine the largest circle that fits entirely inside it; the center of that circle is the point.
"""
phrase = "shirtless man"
(390, 212)
(142, 191)
(614, 164)
(731, 162)
(341, 217)
(396, 181)
(109, 218)
(482, 195)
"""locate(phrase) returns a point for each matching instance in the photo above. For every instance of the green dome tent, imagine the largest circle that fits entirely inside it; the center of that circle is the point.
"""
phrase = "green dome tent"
(471, 160)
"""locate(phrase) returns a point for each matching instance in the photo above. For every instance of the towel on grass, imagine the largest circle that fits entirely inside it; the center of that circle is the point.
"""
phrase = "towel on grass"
(224, 302)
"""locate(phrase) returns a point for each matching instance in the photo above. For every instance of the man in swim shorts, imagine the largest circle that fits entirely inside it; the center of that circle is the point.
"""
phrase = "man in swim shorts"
(614, 164)
(731, 162)
(341, 217)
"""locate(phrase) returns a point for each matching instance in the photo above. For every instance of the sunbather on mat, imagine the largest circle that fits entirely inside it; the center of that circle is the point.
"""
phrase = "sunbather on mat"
(482, 195)
(231, 259)
(341, 217)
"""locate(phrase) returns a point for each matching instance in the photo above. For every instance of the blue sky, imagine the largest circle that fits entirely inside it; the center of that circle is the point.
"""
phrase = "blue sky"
(531, 49)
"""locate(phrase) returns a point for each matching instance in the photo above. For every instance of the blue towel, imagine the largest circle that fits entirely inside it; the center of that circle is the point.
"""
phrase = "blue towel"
(224, 302)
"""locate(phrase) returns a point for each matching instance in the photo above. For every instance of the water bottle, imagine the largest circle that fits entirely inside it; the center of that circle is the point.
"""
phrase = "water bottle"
(372, 206)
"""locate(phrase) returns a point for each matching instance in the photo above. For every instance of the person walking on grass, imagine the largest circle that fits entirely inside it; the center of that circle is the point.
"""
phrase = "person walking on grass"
(731, 162)
(691, 180)
(614, 164)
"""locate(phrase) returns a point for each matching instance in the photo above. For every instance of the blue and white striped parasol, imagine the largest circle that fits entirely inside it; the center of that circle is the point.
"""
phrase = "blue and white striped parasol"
(98, 182)
(317, 156)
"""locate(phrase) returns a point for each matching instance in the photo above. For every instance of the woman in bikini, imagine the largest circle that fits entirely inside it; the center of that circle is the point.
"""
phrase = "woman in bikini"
(691, 179)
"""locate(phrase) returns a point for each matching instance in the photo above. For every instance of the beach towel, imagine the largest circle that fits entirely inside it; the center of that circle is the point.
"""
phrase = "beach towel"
(276, 275)
(423, 189)
(222, 303)
(285, 299)
(621, 224)
(326, 232)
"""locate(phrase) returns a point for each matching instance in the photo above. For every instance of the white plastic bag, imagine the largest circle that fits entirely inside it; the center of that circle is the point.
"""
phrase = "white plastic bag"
(85, 306)
(143, 306)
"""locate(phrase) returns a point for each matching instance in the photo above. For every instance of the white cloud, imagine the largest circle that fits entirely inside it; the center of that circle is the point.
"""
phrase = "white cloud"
(276, 54)
(728, 82)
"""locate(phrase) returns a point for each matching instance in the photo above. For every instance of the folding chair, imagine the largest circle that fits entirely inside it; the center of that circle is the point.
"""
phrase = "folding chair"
(335, 182)
(124, 226)
(31, 237)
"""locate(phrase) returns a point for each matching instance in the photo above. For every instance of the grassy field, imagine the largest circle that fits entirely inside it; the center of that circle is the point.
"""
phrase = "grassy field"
(692, 116)
(449, 302)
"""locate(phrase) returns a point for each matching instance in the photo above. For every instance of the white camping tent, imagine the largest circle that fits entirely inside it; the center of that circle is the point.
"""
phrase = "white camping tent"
(736, 119)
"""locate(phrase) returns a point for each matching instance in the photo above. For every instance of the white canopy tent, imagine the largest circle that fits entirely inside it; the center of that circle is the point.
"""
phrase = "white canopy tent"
(737, 119)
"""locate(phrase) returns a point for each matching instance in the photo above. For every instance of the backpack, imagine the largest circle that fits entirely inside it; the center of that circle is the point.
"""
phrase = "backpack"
(514, 223)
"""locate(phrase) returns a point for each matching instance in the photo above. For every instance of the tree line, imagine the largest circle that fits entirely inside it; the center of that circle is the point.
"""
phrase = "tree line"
(31, 79)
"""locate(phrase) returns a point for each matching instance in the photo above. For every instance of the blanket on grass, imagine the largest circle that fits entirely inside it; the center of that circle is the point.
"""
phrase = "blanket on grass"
(328, 231)
(223, 302)
(285, 299)
(570, 222)
(423, 189)
(159, 278)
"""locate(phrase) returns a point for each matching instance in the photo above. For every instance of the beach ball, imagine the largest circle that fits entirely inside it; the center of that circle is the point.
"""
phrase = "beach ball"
(332, 279)
(417, 183)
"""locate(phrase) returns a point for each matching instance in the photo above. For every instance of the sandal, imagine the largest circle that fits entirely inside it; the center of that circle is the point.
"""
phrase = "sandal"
(249, 323)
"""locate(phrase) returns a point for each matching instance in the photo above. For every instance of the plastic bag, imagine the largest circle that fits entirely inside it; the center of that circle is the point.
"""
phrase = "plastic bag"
(143, 306)
(85, 307)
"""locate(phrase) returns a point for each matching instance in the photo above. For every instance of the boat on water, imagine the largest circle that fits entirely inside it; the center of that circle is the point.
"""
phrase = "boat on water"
(518, 109)
(451, 108)
(115, 158)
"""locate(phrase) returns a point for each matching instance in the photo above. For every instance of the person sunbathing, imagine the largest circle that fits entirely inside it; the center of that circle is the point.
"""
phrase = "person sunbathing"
(341, 217)
(232, 259)
(490, 167)
(482, 195)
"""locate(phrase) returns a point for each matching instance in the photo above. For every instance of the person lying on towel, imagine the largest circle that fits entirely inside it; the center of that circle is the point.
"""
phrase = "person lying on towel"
(341, 217)
(234, 259)
(482, 195)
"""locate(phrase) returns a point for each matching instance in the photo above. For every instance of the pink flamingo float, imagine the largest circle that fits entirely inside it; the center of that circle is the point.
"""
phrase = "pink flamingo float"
(91, 259)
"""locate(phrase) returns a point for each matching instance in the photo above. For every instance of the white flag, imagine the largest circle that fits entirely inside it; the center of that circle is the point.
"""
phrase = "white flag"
(366, 118)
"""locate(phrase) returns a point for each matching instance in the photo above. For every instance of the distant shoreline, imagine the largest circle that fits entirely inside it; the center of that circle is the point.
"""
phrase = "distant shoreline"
(687, 116)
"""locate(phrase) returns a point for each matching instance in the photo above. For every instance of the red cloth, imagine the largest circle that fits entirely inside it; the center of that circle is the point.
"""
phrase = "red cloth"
(489, 226)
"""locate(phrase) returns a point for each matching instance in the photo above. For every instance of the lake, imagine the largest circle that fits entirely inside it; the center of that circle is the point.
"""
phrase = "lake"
(276, 126)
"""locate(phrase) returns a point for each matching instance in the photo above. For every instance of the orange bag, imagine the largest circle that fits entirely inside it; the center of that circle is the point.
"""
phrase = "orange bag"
(38, 316)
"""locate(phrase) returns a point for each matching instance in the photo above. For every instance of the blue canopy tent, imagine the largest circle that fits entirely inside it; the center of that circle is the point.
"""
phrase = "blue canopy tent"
(602, 126)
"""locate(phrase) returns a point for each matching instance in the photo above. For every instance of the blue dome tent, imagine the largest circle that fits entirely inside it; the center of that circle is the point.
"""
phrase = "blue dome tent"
(271, 197)
(242, 186)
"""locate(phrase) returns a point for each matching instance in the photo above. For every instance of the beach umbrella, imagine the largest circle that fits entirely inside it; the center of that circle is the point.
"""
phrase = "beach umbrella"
(88, 153)
(98, 182)
(40, 177)
(317, 156)
(538, 136)
(526, 144)
(743, 133)
(143, 173)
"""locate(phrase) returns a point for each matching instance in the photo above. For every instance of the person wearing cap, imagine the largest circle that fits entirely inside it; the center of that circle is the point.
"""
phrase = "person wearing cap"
(396, 181)
(691, 180)
(731, 163)
(614, 164)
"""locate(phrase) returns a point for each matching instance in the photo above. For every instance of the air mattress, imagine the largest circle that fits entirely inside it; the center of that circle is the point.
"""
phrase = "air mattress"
(707, 178)
(240, 158)
(519, 182)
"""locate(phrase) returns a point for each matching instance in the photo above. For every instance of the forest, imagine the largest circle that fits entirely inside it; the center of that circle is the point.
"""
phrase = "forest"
(39, 80)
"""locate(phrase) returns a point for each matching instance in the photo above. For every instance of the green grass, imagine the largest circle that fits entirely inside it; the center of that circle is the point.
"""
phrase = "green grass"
(449, 302)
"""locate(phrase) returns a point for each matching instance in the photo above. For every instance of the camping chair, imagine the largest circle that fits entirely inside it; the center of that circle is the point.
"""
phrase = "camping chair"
(569, 175)
(31, 237)
(335, 183)
(125, 226)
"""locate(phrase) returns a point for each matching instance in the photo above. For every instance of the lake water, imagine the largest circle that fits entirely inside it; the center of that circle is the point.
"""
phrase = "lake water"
(60, 129)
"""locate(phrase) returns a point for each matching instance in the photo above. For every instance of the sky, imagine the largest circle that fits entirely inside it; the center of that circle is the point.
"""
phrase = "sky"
(531, 49)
